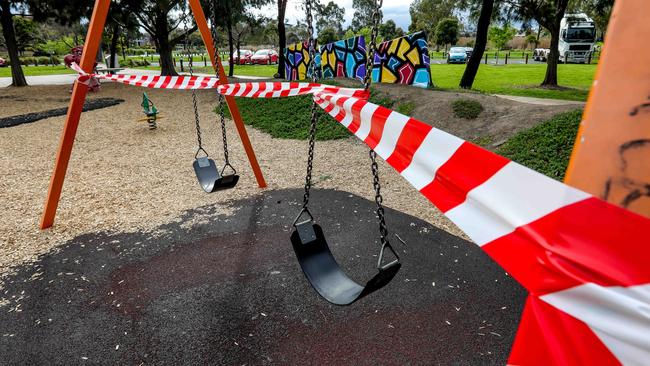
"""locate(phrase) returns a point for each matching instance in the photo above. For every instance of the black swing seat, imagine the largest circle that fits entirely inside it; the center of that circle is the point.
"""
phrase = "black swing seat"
(210, 178)
(324, 273)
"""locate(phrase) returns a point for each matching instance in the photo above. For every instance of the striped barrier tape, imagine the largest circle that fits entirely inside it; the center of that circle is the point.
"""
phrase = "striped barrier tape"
(584, 261)
(251, 90)
(152, 81)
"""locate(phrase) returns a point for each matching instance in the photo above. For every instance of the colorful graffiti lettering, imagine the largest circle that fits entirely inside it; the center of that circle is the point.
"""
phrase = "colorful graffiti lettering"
(403, 60)
(345, 58)
(297, 61)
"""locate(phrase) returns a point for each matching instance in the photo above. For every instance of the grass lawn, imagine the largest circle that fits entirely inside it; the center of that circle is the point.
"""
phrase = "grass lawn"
(521, 80)
(545, 147)
(38, 70)
(289, 118)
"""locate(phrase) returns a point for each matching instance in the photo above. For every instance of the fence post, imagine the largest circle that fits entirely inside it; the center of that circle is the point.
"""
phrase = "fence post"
(486, 56)
(526, 59)
(507, 57)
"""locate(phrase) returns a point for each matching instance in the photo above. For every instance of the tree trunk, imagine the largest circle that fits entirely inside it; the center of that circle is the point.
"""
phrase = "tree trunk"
(164, 46)
(231, 62)
(166, 59)
(17, 76)
(113, 47)
(480, 42)
(282, 37)
(550, 79)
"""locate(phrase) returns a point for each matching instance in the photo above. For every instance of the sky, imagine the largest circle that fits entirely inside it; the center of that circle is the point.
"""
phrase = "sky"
(397, 10)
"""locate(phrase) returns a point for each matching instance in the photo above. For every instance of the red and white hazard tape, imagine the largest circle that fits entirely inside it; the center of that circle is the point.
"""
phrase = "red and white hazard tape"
(285, 89)
(151, 81)
(584, 261)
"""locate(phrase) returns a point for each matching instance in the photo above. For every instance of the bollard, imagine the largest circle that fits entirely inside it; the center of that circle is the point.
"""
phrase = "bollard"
(496, 58)
(486, 56)
(589, 59)
(526, 59)
(182, 66)
(507, 58)
(205, 62)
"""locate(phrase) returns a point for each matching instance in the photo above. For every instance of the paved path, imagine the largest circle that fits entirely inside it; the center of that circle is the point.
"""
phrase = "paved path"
(540, 101)
(229, 291)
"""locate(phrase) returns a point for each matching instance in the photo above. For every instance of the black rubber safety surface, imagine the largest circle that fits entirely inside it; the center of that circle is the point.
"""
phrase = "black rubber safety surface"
(227, 290)
(90, 105)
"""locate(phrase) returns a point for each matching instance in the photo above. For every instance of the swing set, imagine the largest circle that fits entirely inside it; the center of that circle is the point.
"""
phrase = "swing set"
(551, 237)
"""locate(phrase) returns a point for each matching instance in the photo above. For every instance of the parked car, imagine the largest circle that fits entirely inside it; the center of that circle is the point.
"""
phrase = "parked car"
(265, 57)
(245, 57)
(541, 54)
(457, 55)
(3, 63)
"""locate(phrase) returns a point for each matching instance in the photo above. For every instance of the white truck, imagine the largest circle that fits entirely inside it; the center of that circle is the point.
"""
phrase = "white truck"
(577, 38)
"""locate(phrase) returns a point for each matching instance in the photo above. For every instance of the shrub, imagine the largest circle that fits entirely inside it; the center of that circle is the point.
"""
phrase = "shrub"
(467, 108)
(43, 60)
(132, 62)
(28, 61)
(547, 146)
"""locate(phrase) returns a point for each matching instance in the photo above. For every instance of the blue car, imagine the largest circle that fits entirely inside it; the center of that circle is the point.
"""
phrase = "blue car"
(457, 55)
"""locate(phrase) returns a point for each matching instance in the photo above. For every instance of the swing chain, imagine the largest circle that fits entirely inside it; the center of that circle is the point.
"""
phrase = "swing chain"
(314, 115)
(186, 45)
(379, 199)
(217, 60)
(372, 47)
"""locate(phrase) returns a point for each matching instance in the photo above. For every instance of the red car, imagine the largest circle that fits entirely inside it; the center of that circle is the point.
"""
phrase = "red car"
(3, 63)
(245, 57)
(265, 57)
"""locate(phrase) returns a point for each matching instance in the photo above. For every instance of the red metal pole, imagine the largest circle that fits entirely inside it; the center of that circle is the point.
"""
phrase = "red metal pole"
(93, 38)
(202, 23)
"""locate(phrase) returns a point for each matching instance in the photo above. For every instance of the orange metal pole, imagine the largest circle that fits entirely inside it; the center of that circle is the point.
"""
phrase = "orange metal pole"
(93, 38)
(611, 157)
(202, 23)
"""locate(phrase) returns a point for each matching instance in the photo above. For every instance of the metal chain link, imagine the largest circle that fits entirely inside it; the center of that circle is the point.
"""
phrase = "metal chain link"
(379, 199)
(186, 46)
(372, 46)
(217, 60)
(314, 107)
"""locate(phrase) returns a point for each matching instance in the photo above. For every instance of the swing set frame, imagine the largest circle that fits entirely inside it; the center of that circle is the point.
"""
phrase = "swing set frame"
(79, 92)
(615, 120)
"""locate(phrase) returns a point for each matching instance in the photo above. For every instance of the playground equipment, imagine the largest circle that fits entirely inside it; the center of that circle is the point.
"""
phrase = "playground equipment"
(584, 261)
(308, 240)
(150, 111)
(209, 176)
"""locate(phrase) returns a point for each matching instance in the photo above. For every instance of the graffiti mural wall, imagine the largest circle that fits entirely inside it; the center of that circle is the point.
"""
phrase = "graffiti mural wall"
(403, 60)
(345, 58)
(297, 61)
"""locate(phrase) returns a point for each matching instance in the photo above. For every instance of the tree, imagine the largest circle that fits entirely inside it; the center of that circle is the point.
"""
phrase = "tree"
(500, 36)
(480, 41)
(390, 30)
(363, 11)
(532, 40)
(9, 35)
(282, 37)
(27, 33)
(158, 18)
(426, 14)
(327, 35)
(330, 16)
(548, 14)
(447, 32)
